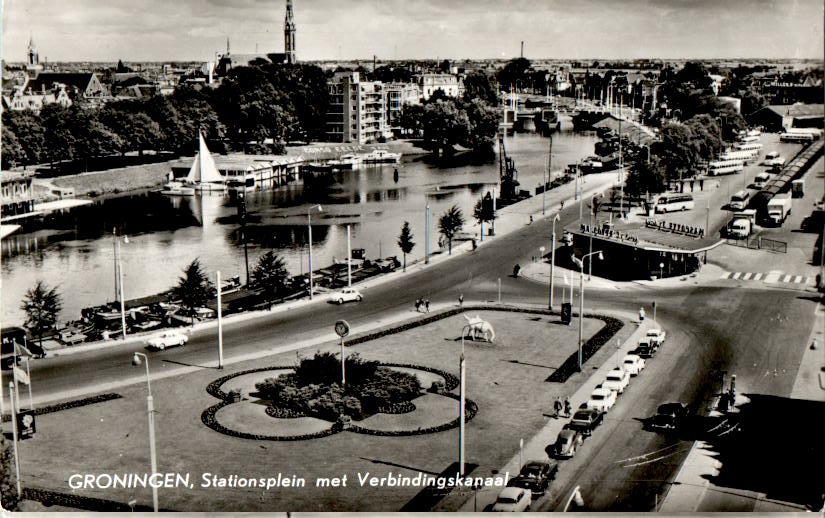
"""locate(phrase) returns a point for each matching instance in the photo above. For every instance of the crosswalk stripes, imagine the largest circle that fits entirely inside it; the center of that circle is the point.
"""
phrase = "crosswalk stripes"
(771, 277)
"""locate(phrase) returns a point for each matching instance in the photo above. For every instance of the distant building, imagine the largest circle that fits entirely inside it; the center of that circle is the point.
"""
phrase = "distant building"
(356, 109)
(447, 83)
(806, 91)
(77, 84)
(33, 66)
(716, 82)
(16, 189)
(396, 95)
(23, 99)
(289, 34)
(778, 117)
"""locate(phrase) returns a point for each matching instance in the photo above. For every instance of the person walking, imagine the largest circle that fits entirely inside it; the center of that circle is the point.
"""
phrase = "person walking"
(641, 315)
(460, 299)
(567, 407)
(557, 407)
(427, 305)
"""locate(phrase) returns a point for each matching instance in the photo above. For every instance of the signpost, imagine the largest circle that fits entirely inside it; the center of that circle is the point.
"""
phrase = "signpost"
(342, 330)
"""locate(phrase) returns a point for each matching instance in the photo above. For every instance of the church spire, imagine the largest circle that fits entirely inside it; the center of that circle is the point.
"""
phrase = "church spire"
(289, 34)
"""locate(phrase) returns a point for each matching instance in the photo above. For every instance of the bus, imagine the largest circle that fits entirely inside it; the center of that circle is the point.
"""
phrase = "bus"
(761, 180)
(796, 137)
(739, 200)
(748, 138)
(725, 167)
(744, 155)
(748, 146)
(673, 202)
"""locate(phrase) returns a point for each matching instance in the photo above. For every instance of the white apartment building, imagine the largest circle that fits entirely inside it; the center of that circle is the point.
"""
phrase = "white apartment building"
(446, 82)
(356, 109)
(396, 95)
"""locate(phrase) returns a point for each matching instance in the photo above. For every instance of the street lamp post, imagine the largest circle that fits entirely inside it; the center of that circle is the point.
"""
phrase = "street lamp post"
(552, 261)
(462, 372)
(661, 270)
(119, 281)
(309, 226)
(580, 264)
(150, 411)
(590, 264)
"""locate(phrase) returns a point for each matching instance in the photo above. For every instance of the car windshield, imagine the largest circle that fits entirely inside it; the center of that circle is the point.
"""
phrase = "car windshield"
(629, 362)
(614, 377)
(597, 397)
(506, 500)
(581, 416)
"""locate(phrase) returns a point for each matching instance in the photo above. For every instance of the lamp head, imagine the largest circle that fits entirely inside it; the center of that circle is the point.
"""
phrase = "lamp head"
(136, 359)
(320, 209)
(601, 256)
(556, 217)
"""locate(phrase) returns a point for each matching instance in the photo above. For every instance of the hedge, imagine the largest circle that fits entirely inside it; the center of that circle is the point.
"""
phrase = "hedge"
(589, 348)
(67, 405)
(470, 411)
(208, 418)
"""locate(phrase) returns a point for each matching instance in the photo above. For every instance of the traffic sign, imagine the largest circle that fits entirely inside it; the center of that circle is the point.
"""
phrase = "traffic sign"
(342, 328)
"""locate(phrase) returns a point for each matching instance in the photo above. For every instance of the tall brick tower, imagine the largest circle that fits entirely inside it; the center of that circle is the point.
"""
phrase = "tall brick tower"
(289, 34)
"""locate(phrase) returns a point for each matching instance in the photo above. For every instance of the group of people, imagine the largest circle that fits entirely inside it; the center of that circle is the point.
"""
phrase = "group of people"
(422, 304)
(567, 407)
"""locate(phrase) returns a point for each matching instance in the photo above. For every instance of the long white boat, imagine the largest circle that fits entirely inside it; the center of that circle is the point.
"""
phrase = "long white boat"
(347, 162)
(177, 188)
(381, 156)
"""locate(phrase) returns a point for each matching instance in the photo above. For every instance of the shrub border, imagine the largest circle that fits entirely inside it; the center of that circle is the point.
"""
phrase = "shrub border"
(86, 503)
(68, 405)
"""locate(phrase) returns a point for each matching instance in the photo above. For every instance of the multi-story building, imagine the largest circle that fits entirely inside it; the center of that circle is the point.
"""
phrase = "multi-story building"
(16, 193)
(356, 109)
(448, 83)
(396, 95)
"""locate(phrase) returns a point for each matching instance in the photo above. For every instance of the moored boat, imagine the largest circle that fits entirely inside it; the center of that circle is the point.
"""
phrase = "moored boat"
(382, 156)
(346, 162)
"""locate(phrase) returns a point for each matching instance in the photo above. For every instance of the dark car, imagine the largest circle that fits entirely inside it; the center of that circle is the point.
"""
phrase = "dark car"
(644, 350)
(535, 476)
(586, 420)
(669, 416)
(566, 444)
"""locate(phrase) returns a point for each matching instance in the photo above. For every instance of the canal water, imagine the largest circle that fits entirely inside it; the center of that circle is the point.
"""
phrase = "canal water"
(75, 251)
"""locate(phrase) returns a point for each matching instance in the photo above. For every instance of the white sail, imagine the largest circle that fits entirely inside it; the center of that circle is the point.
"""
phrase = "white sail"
(203, 168)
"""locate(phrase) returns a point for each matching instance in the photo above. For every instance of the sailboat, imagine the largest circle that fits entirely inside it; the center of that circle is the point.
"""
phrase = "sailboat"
(204, 175)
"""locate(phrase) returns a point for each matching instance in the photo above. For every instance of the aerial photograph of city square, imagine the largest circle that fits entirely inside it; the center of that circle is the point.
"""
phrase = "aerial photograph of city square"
(412, 256)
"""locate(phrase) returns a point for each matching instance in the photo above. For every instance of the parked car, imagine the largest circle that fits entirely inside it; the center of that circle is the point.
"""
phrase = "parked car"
(535, 476)
(633, 364)
(644, 350)
(617, 380)
(602, 399)
(669, 416)
(567, 443)
(513, 500)
(166, 339)
(567, 238)
(346, 295)
(656, 336)
(586, 421)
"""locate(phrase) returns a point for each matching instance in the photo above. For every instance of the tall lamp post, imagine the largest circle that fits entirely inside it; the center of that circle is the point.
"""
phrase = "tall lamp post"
(590, 264)
(552, 261)
(309, 226)
(150, 411)
(427, 225)
(580, 264)
(119, 280)
(462, 373)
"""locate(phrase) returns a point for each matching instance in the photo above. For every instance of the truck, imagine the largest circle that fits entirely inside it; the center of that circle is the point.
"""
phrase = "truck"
(739, 228)
(779, 207)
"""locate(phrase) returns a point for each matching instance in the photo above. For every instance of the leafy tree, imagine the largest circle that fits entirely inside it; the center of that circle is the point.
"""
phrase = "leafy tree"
(483, 126)
(270, 275)
(644, 178)
(194, 289)
(8, 480)
(515, 73)
(59, 142)
(91, 138)
(12, 152)
(405, 242)
(477, 86)
(412, 118)
(483, 212)
(41, 306)
(444, 126)
(450, 223)
(28, 130)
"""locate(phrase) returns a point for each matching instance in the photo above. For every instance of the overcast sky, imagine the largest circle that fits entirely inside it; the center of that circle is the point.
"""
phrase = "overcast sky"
(166, 30)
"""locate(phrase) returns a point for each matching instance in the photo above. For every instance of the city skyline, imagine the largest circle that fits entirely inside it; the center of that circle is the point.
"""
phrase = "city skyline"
(193, 30)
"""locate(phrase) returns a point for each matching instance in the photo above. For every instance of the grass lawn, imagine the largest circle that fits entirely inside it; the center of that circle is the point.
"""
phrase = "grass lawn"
(505, 379)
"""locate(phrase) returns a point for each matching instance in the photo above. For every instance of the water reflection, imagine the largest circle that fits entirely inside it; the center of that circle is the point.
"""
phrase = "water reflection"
(75, 252)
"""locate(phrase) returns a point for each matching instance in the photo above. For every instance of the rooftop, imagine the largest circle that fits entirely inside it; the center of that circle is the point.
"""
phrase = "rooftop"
(798, 110)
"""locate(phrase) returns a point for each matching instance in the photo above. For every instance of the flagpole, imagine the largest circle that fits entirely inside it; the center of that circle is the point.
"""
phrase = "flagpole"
(28, 375)
(14, 439)
(14, 375)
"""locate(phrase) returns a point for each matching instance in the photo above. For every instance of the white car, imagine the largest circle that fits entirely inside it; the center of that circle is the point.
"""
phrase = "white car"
(513, 500)
(657, 336)
(167, 339)
(602, 399)
(346, 295)
(617, 380)
(633, 364)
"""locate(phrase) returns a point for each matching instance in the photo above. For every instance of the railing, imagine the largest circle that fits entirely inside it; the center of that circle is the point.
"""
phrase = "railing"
(760, 243)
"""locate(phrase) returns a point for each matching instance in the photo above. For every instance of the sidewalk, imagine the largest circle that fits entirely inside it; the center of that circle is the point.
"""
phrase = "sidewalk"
(510, 218)
(534, 446)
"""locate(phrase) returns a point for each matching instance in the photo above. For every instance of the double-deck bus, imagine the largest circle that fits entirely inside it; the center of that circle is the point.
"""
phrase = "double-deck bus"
(674, 202)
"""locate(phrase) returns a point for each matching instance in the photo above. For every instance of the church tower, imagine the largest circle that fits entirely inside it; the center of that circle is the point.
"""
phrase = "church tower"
(33, 66)
(289, 34)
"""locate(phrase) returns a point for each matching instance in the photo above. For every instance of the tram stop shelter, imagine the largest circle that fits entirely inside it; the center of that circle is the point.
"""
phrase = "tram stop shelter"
(646, 248)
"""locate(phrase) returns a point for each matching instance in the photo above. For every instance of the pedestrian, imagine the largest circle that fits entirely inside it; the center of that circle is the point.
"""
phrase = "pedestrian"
(567, 407)
(641, 315)
(427, 305)
(460, 299)
(531, 219)
(557, 407)
(562, 205)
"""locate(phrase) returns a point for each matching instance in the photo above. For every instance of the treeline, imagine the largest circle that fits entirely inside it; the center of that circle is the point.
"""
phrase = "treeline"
(470, 121)
(254, 104)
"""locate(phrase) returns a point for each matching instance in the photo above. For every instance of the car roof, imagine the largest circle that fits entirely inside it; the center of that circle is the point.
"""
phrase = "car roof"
(632, 357)
(535, 464)
(616, 371)
(601, 391)
(568, 432)
(511, 492)
(669, 407)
